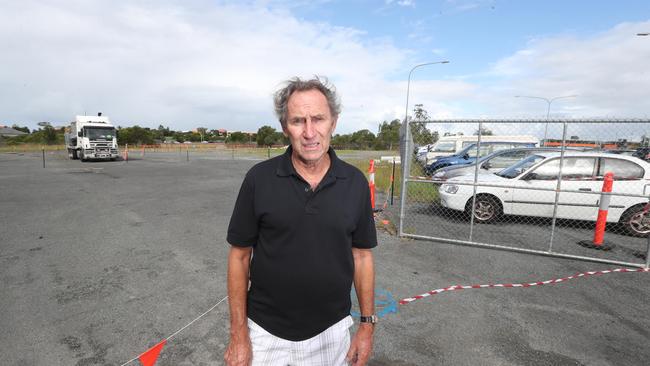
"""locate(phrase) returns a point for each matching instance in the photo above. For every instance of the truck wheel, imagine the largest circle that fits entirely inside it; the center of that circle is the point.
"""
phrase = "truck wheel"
(75, 156)
(82, 156)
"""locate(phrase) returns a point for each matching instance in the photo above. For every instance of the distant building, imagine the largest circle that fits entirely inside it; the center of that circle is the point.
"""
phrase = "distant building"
(10, 132)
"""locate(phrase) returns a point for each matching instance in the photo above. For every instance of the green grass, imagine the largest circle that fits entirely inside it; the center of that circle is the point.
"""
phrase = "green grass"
(417, 192)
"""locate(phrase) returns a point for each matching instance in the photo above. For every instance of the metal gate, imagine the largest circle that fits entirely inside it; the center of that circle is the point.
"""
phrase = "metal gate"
(531, 186)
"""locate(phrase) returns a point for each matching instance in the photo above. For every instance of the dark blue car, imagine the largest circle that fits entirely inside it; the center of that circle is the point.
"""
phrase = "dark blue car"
(469, 154)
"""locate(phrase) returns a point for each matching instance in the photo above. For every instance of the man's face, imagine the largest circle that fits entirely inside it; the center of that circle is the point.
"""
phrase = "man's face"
(309, 125)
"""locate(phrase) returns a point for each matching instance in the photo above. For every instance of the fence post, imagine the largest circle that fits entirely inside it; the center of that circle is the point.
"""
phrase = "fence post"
(126, 152)
(647, 254)
(43, 156)
(471, 211)
(392, 183)
(405, 171)
(371, 182)
(558, 187)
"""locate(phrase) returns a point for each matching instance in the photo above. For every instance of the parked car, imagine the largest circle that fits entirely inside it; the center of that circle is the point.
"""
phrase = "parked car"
(643, 153)
(451, 145)
(494, 162)
(528, 188)
(469, 154)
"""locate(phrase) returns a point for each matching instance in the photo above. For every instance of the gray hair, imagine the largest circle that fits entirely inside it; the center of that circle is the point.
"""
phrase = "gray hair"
(281, 97)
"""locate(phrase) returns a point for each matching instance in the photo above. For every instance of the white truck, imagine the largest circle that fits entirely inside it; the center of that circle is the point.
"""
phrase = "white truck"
(91, 137)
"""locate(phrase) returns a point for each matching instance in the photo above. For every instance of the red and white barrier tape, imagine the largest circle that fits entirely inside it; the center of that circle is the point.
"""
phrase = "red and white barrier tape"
(529, 284)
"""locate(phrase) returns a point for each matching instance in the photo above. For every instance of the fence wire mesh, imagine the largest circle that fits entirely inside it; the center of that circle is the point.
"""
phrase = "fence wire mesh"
(531, 185)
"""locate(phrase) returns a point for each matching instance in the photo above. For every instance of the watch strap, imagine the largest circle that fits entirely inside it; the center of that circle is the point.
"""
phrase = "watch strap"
(372, 319)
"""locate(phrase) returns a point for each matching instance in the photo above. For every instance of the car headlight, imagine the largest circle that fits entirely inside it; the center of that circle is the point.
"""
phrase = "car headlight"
(439, 175)
(449, 188)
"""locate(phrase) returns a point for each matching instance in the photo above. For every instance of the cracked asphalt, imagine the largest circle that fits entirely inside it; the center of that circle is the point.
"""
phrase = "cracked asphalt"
(100, 261)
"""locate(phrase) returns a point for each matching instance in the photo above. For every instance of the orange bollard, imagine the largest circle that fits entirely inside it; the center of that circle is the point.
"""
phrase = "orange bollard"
(601, 222)
(371, 183)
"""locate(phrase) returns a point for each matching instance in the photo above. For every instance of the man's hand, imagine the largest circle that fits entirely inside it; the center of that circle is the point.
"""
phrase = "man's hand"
(239, 351)
(361, 345)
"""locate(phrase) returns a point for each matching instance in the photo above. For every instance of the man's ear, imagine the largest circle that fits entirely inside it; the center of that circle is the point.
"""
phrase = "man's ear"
(333, 126)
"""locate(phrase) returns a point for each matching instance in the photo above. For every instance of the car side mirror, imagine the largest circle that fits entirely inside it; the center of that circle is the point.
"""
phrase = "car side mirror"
(466, 156)
(530, 176)
(486, 166)
(79, 133)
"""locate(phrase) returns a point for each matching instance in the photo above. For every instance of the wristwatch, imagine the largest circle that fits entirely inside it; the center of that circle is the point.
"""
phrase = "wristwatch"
(372, 319)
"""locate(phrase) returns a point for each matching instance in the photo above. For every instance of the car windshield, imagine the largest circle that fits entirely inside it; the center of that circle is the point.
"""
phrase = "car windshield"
(520, 167)
(445, 146)
(100, 133)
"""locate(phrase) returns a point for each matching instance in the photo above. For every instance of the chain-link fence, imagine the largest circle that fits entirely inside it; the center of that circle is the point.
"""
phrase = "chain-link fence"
(531, 185)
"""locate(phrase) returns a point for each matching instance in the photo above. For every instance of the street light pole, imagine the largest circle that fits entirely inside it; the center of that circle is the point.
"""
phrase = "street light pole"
(548, 107)
(404, 144)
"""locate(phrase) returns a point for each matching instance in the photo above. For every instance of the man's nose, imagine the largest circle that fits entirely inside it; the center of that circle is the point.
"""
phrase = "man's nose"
(309, 131)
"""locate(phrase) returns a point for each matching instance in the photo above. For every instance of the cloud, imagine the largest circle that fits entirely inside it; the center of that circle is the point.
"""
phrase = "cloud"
(608, 72)
(405, 3)
(179, 64)
(202, 63)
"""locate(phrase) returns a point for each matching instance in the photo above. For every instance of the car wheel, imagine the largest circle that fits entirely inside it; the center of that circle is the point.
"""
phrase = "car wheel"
(636, 221)
(486, 209)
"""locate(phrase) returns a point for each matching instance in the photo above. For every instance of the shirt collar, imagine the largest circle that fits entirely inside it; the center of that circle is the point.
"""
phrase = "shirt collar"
(285, 167)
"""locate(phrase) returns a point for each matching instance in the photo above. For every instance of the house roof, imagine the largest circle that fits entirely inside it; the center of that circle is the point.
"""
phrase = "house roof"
(10, 132)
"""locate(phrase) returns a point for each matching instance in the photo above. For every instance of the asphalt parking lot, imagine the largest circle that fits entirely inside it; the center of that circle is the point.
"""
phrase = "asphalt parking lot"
(100, 261)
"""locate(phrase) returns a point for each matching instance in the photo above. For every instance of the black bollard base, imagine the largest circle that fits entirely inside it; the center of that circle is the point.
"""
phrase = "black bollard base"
(605, 246)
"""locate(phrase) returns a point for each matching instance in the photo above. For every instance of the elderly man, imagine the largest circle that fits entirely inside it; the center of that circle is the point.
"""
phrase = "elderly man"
(301, 233)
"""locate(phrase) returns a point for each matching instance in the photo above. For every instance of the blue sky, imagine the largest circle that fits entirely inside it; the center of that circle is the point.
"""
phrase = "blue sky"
(215, 64)
(474, 33)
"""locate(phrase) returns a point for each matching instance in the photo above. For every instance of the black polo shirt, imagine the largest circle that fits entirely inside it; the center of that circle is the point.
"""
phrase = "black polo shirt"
(302, 268)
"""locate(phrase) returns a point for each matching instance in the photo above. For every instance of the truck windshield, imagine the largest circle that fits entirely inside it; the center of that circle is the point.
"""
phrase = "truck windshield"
(445, 146)
(99, 133)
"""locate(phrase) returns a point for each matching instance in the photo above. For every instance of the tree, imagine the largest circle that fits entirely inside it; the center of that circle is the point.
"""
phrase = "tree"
(419, 131)
(388, 136)
(202, 131)
(362, 139)
(484, 132)
(341, 141)
(135, 135)
(237, 138)
(18, 128)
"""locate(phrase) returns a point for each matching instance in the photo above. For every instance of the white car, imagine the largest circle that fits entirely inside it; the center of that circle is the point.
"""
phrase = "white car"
(528, 188)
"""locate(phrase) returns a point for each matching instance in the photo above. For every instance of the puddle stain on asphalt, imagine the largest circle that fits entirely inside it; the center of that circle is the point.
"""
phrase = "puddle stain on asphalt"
(92, 353)
(111, 281)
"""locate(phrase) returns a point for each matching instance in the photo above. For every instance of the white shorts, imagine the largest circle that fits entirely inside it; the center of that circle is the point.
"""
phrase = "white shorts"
(328, 348)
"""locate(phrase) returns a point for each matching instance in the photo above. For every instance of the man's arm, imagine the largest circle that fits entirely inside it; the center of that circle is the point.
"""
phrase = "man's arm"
(239, 352)
(364, 284)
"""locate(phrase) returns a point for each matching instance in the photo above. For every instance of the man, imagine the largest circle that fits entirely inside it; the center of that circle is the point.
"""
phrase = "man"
(301, 233)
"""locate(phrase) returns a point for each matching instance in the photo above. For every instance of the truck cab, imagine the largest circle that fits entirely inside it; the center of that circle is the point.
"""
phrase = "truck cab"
(91, 137)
